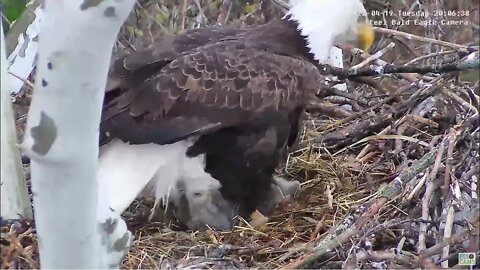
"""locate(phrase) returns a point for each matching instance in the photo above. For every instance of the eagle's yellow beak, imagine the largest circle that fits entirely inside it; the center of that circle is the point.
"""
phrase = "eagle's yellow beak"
(365, 35)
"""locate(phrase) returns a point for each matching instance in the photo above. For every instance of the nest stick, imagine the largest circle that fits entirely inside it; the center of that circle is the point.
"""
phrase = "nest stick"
(336, 238)
(419, 38)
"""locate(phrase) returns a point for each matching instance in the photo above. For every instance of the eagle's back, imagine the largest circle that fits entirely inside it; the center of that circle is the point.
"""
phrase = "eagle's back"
(227, 80)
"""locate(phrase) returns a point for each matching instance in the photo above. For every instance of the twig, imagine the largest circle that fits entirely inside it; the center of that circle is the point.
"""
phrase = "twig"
(438, 160)
(374, 107)
(369, 146)
(402, 127)
(388, 137)
(394, 69)
(350, 134)
(407, 76)
(417, 115)
(438, 247)
(335, 92)
(430, 55)
(25, 81)
(471, 122)
(422, 120)
(183, 14)
(468, 174)
(430, 188)
(342, 101)
(329, 194)
(370, 81)
(318, 228)
(446, 188)
(224, 12)
(417, 187)
(474, 99)
(422, 39)
(404, 259)
(452, 136)
(463, 103)
(327, 108)
(448, 232)
(407, 46)
(374, 57)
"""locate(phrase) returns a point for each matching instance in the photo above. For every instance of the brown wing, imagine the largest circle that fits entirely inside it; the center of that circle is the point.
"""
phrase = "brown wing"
(136, 67)
(217, 86)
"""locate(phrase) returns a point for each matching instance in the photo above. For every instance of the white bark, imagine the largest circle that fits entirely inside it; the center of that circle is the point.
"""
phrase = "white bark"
(115, 237)
(22, 58)
(75, 228)
(14, 195)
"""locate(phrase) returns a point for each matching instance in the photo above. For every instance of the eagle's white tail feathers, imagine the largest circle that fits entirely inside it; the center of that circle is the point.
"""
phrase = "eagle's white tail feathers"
(129, 171)
(160, 187)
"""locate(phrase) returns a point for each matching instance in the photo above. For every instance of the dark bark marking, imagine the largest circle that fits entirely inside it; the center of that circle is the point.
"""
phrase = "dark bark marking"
(44, 134)
(24, 46)
(109, 12)
(109, 225)
(121, 243)
(89, 3)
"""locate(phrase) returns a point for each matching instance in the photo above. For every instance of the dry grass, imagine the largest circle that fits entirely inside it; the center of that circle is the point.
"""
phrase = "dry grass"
(350, 192)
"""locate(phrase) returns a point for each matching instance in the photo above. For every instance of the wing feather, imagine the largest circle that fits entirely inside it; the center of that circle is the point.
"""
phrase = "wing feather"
(220, 85)
(135, 67)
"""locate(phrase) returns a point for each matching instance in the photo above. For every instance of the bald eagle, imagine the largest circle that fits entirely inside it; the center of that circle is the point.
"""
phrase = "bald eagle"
(202, 119)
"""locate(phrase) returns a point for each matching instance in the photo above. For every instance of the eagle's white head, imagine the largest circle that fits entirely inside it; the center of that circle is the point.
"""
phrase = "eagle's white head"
(325, 23)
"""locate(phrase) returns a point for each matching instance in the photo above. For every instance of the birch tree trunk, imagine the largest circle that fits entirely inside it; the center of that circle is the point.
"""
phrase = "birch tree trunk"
(75, 228)
(14, 195)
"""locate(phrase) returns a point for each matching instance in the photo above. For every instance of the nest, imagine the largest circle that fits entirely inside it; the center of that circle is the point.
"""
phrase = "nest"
(389, 169)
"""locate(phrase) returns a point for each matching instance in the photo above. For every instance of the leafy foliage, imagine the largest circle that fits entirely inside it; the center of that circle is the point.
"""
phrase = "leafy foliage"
(12, 9)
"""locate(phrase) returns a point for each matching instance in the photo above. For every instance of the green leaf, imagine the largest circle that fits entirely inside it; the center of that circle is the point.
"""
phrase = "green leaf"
(12, 9)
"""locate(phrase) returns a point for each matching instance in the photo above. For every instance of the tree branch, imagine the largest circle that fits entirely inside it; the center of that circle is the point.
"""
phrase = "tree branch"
(422, 39)
(394, 69)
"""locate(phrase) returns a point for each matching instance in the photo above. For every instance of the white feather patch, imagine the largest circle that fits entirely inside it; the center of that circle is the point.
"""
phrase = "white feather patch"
(126, 170)
(336, 59)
